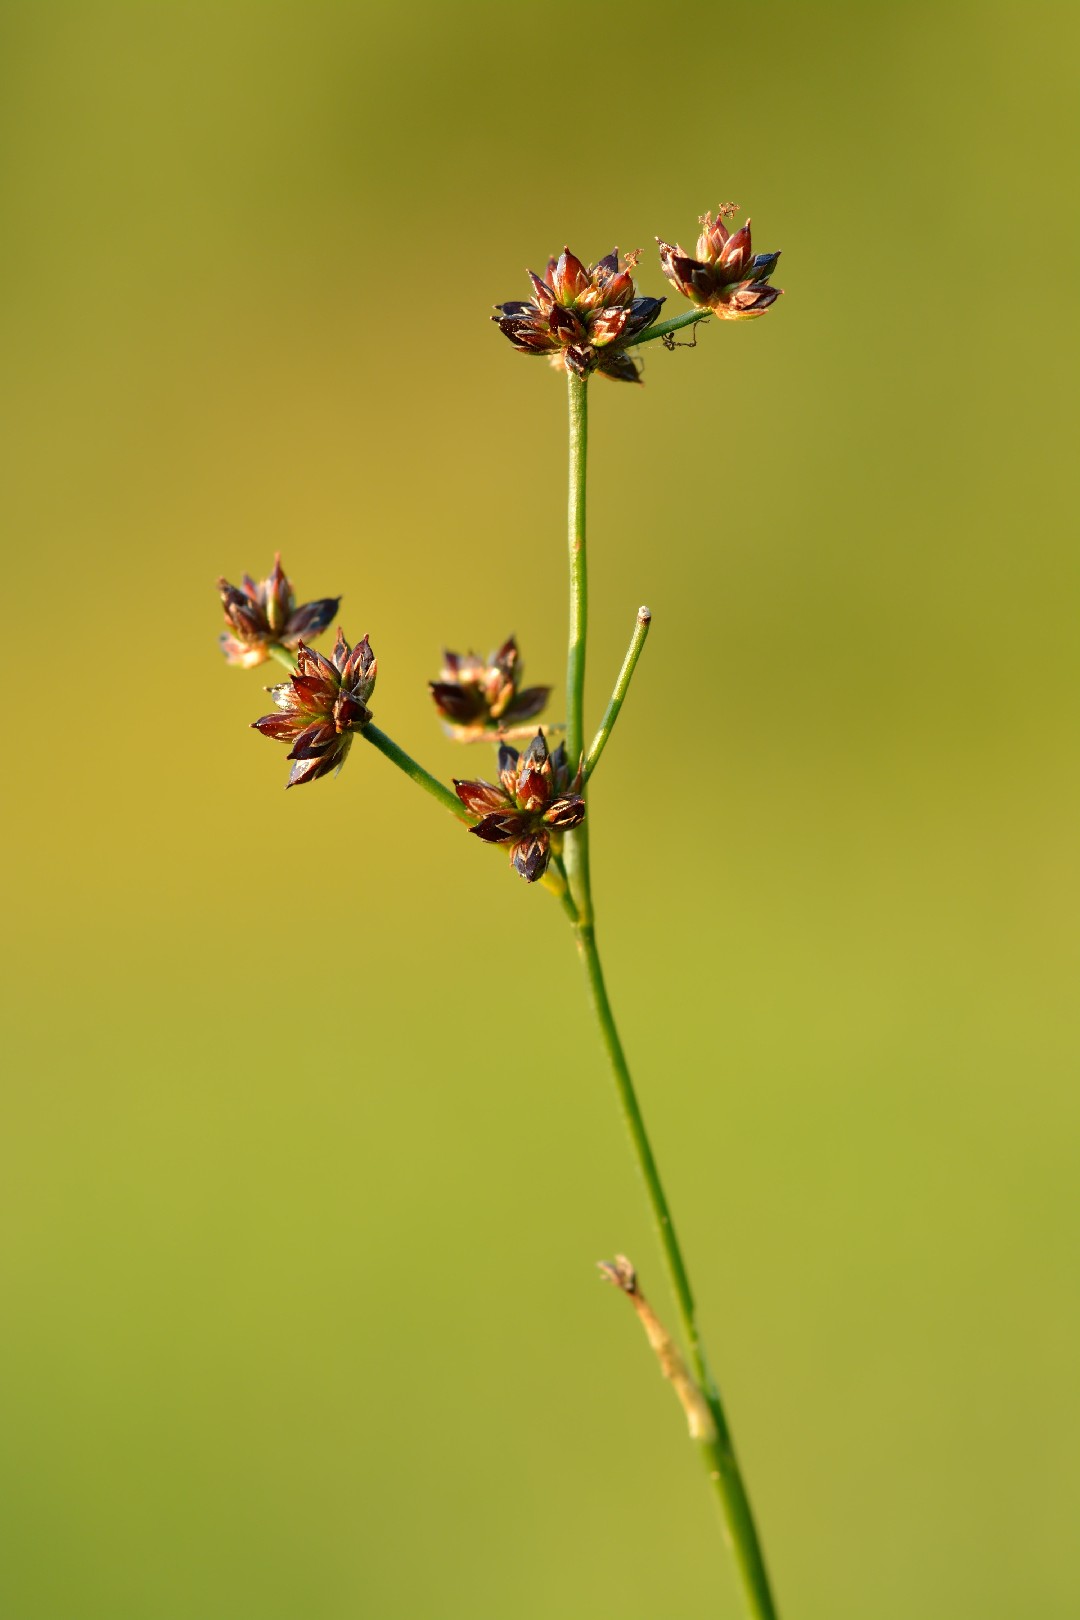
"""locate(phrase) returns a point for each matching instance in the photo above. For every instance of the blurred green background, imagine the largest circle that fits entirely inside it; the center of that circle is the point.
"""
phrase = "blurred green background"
(308, 1146)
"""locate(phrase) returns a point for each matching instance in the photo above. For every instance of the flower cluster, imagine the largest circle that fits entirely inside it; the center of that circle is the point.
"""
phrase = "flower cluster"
(724, 277)
(580, 318)
(533, 806)
(264, 614)
(321, 706)
(478, 697)
(584, 319)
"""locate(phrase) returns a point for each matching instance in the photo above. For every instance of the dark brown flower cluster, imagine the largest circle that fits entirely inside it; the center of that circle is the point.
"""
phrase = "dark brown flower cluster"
(580, 318)
(534, 805)
(480, 697)
(321, 706)
(264, 613)
(724, 277)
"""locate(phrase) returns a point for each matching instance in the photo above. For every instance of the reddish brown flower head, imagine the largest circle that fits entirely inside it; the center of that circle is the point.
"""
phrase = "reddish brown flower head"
(480, 698)
(725, 276)
(321, 706)
(581, 318)
(532, 807)
(264, 613)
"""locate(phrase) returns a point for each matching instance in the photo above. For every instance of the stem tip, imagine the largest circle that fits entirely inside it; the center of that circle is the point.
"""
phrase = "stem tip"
(619, 1271)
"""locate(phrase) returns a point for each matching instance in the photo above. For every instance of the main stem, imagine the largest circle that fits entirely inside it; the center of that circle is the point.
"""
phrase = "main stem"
(579, 576)
(718, 1452)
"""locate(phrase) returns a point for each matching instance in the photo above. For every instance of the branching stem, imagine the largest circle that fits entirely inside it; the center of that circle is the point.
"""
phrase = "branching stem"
(716, 1449)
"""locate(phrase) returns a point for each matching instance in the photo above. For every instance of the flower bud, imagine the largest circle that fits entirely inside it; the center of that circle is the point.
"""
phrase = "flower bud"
(481, 698)
(581, 318)
(725, 276)
(530, 809)
(321, 706)
(264, 613)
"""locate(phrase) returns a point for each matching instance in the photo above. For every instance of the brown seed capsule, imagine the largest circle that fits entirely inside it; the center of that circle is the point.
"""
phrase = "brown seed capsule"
(480, 698)
(321, 706)
(534, 804)
(725, 276)
(581, 318)
(264, 612)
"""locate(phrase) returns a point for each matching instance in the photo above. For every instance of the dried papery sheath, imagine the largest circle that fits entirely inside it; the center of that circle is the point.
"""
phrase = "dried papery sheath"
(321, 706)
(479, 697)
(699, 1419)
(723, 274)
(581, 317)
(263, 613)
(533, 804)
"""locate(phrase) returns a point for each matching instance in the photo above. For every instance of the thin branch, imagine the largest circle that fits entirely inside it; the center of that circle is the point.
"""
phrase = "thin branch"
(665, 328)
(622, 686)
(405, 762)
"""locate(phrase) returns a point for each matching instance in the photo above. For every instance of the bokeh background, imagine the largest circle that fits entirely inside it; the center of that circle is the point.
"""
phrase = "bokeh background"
(308, 1146)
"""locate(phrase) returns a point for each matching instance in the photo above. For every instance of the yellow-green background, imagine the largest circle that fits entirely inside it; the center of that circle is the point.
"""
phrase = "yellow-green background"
(308, 1148)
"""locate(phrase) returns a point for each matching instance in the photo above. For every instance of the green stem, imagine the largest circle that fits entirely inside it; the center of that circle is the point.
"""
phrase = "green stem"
(565, 899)
(622, 685)
(718, 1453)
(424, 779)
(578, 399)
(665, 328)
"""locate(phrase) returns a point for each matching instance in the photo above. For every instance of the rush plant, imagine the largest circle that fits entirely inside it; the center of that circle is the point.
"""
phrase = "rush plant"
(585, 320)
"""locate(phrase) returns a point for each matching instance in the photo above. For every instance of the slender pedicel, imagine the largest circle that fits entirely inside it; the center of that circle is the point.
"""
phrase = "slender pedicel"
(282, 655)
(666, 328)
(405, 762)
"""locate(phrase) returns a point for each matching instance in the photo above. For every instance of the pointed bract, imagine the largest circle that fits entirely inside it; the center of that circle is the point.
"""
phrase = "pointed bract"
(482, 798)
(614, 363)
